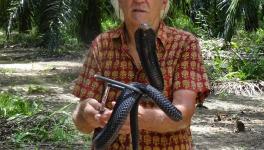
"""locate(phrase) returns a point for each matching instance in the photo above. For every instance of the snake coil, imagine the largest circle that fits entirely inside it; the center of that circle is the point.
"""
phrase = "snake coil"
(129, 98)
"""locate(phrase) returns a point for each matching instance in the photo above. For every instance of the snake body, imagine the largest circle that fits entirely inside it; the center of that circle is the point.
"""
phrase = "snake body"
(145, 39)
(128, 101)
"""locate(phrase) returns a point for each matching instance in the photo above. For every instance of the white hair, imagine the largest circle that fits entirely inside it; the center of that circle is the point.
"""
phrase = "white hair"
(119, 13)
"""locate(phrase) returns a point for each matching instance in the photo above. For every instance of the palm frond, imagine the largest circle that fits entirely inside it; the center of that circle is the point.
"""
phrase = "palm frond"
(238, 9)
(183, 5)
(244, 88)
(19, 11)
(52, 16)
(233, 12)
(208, 15)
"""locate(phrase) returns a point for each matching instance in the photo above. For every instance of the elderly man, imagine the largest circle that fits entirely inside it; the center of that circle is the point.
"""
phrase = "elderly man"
(113, 54)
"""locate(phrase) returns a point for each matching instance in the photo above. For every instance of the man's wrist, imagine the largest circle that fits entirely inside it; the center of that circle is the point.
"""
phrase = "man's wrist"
(80, 119)
(151, 119)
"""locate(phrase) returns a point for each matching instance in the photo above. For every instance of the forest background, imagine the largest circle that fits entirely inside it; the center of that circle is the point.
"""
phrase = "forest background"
(231, 34)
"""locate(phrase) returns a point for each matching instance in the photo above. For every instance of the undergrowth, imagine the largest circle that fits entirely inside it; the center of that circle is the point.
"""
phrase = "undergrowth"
(24, 122)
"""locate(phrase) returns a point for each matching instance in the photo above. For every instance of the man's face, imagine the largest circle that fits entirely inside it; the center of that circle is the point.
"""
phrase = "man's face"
(142, 11)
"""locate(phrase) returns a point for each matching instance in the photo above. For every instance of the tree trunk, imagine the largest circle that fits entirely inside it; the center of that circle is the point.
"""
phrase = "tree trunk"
(89, 21)
(24, 17)
(251, 23)
(262, 12)
(251, 17)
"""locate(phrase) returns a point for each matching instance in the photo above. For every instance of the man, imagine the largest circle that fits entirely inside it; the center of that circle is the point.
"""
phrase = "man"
(113, 54)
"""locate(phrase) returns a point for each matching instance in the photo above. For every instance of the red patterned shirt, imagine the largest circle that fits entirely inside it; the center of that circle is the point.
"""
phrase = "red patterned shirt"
(182, 67)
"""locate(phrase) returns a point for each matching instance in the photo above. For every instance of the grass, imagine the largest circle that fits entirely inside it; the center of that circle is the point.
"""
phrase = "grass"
(37, 89)
(25, 122)
(11, 105)
(64, 79)
(2, 37)
(7, 70)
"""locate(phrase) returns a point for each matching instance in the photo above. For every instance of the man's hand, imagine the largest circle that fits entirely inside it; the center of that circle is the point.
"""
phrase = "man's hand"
(87, 117)
(154, 119)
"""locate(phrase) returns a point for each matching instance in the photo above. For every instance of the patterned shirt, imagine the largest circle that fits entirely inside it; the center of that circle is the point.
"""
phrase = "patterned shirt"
(182, 67)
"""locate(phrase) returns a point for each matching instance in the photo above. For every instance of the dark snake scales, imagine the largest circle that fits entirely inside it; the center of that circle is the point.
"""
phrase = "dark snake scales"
(128, 101)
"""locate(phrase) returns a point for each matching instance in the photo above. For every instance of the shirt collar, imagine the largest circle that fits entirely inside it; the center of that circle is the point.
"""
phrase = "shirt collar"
(161, 34)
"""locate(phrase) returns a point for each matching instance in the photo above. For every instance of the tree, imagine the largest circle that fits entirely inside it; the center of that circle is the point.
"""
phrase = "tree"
(25, 15)
(4, 13)
(220, 17)
(52, 15)
(89, 20)
(238, 9)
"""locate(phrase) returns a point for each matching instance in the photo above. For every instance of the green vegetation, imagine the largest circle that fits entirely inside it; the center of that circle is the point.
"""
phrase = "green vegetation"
(64, 27)
(109, 23)
(182, 21)
(11, 105)
(62, 79)
(6, 71)
(37, 89)
(242, 59)
(2, 37)
(230, 31)
(27, 122)
(51, 22)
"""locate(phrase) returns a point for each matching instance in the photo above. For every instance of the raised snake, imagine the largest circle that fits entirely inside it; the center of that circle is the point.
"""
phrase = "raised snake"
(128, 101)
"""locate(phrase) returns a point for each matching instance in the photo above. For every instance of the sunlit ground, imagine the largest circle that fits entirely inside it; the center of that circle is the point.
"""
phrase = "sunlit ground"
(56, 79)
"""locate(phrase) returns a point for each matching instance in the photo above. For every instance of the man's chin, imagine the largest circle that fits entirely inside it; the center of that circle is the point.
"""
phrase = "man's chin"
(140, 20)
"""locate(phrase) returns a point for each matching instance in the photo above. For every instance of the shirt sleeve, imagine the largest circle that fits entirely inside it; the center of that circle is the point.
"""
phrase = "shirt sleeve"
(190, 71)
(86, 85)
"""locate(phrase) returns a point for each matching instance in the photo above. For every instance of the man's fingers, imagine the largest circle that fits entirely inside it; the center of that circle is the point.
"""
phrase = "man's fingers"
(125, 130)
(94, 103)
(100, 120)
(97, 117)
(113, 103)
(103, 118)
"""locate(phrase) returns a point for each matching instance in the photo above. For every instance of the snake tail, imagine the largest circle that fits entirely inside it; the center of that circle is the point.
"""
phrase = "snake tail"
(120, 112)
(134, 125)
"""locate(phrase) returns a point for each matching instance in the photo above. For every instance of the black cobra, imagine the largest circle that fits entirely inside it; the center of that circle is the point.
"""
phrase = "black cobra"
(129, 98)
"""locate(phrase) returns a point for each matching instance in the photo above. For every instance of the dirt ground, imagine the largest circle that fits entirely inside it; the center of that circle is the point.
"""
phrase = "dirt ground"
(212, 128)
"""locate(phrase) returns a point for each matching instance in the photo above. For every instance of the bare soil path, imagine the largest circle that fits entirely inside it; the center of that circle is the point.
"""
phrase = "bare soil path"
(212, 128)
